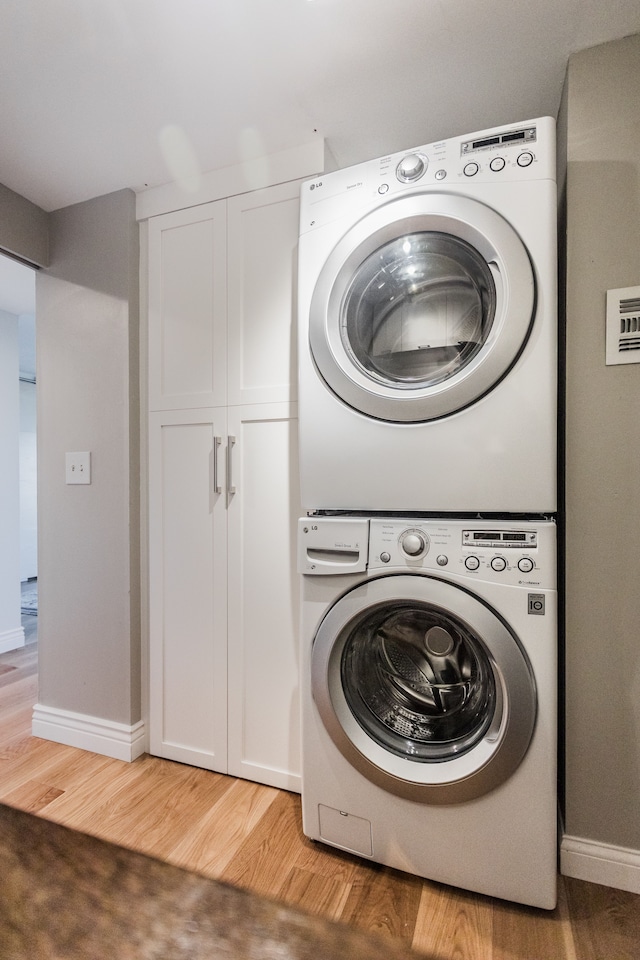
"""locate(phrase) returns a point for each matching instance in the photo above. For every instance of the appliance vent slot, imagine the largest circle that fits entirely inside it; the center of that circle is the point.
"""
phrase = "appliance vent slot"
(623, 326)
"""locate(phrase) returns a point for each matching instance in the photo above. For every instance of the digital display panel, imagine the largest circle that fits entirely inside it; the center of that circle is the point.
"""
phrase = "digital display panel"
(507, 139)
(488, 142)
(498, 538)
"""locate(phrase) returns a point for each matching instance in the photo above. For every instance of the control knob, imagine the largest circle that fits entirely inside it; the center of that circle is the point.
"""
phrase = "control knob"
(411, 167)
(413, 543)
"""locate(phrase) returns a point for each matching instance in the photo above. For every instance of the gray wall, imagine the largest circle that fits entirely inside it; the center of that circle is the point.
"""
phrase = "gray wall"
(24, 228)
(87, 372)
(602, 450)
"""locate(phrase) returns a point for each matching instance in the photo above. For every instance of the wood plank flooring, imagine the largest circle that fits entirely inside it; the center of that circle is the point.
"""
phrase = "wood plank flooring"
(250, 835)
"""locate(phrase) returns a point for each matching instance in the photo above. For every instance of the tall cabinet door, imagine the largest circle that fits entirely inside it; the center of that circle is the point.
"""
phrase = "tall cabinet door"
(222, 516)
(187, 308)
(263, 238)
(188, 588)
(263, 648)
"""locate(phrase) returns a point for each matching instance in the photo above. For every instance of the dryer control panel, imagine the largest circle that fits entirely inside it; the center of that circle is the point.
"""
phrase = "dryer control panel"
(508, 154)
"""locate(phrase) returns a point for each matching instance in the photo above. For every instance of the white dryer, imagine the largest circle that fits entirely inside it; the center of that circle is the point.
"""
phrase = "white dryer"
(429, 651)
(428, 331)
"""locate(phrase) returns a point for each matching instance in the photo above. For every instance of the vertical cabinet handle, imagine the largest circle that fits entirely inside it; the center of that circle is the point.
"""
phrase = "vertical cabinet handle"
(231, 442)
(216, 482)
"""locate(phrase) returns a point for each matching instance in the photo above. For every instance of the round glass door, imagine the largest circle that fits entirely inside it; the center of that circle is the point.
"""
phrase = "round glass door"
(418, 310)
(423, 688)
(421, 308)
(418, 681)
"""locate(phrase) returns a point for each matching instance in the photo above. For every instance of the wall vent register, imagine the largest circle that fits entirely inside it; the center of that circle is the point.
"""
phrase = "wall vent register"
(623, 326)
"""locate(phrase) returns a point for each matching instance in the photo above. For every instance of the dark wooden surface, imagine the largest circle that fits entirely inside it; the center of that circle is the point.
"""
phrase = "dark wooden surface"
(66, 896)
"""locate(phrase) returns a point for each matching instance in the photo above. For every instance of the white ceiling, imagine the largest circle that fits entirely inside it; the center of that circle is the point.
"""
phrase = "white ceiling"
(96, 96)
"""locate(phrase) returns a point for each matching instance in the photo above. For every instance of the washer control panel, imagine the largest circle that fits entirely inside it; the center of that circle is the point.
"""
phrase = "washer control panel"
(519, 553)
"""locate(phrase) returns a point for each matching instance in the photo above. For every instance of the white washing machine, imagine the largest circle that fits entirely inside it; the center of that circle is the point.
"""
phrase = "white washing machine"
(427, 328)
(429, 698)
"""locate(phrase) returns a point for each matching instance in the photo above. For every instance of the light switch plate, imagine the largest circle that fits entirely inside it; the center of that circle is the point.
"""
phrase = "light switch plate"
(78, 467)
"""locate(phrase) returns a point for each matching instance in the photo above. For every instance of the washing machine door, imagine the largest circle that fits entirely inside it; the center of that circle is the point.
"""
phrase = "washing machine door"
(423, 688)
(421, 308)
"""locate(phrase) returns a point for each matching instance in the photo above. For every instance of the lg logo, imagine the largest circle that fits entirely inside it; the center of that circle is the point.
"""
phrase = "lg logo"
(314, 186)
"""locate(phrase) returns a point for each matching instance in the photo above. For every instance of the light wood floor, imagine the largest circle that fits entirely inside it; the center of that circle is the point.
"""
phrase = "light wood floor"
(250, 835)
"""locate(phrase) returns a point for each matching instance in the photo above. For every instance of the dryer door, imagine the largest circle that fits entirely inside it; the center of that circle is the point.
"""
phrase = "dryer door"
(421, 308)
(423, 688)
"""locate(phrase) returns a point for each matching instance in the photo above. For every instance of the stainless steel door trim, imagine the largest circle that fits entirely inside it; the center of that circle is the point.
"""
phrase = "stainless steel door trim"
(217, 487)
(231, 488)
(472, 774)
(501, 248)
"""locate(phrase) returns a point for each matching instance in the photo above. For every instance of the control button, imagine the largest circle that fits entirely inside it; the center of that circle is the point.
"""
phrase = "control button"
(442, 561)
(497, 164)
(383, 188)
(498, 563)
(472, 563)
(525, 159)
(385, 557)
(525, 565)
(441, 174)
(470, 169)
(411, 167)
(413, 544)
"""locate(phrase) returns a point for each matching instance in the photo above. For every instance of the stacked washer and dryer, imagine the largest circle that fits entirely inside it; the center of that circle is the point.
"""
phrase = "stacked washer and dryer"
(428, 410)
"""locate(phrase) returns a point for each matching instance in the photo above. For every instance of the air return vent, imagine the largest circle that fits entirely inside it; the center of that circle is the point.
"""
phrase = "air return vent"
(623, 325)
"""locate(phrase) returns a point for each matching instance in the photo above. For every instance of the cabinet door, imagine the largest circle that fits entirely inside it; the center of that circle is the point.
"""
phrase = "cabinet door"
(188, 589)
(263, 650)
(263, 238)
(187, 308)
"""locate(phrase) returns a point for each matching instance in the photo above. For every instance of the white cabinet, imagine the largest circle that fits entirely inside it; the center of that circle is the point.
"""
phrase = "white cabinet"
(187, 299)
(188, 590)
(263, 238)
(262, 652)
(223, 487)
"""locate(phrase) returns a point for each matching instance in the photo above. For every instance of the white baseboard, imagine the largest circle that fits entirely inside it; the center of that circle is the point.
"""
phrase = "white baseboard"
(600, 863)
(116, 740)
(11, 639)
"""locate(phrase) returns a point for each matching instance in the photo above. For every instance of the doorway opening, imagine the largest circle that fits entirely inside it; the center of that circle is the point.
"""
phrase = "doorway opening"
(18, 479)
